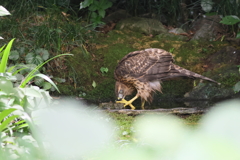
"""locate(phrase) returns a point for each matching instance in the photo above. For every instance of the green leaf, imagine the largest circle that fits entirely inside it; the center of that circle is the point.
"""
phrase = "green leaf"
(32, 92)
(96, 19)
(24, 125)
(7, 121)
(47, 79)
(3, 11)
(6, 85)
(43, 53)
(101, 13)
(85, 3)
(230, 20)
(47, 97)
(2, 105)
(47, 85)
(5, 113)
(106, 4)
(21, 50)
(104, 69)
(93, 7)
(32, 58)
(24, 102)
(14, 55)
(5, 56)
(20, 122)
(94, 84)
(1, 49)
(39, 81)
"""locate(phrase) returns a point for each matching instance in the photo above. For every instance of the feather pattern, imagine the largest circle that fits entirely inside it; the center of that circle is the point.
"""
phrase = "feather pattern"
(144, 70)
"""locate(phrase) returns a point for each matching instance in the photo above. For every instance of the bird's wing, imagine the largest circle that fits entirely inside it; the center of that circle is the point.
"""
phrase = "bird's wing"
(145, 65)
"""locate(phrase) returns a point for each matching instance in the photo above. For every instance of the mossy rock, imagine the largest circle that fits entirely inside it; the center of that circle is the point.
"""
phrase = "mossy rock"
(209, 91)
(223, 65)
(170, 36)
(142, 25)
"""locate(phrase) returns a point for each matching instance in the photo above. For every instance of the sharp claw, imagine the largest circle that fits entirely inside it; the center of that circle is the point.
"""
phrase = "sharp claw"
(126, 103)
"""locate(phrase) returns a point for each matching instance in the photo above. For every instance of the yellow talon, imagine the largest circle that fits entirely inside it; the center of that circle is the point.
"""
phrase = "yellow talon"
(126, 103)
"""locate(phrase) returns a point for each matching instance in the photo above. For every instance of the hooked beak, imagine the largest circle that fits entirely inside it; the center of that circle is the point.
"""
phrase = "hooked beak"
(120, 96)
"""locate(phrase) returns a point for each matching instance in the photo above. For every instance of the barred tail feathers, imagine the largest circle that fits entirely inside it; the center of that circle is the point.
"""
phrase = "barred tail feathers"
(191, 74)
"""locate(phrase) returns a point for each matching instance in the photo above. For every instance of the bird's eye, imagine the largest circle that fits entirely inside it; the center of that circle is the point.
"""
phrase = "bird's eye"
(120, 91)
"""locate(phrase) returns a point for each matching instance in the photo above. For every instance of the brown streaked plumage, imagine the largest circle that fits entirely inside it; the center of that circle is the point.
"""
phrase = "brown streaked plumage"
(143, 71)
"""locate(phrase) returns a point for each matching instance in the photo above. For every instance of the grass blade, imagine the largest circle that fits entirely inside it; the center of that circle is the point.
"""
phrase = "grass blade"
(5, 56)
(31, 74)
(7, 121)
(47, 79)
(5, 113)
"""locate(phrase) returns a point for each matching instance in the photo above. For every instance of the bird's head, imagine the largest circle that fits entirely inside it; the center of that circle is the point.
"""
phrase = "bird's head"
(121, 90)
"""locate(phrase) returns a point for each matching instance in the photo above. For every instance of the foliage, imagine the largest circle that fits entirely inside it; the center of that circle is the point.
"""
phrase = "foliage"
(32, 74)
(3, 11)
(30, 58)
(171, 50)
(12, 115)
(230, 20)
(97, 10)
(94, 84)
(17, 104)
(206, 5)
(4, 55)
(104, 70)
(37, 26)
(150, 137)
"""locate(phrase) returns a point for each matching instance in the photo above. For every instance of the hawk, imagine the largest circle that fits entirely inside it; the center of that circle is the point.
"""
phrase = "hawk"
(143, 71)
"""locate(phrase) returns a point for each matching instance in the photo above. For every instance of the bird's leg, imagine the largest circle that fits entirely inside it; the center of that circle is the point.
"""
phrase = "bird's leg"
(128, 103)
(125, 101)
(142, 105)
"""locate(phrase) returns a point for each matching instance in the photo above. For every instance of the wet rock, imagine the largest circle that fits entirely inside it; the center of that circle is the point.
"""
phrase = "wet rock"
(227, 56)
(199, 103)
(224, 64)
(223, 68)
(116, 16)
(207, 28)
(142, 25)
(209, 91)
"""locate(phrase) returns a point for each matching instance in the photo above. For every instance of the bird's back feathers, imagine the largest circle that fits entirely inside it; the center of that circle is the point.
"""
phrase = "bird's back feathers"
(152, 64)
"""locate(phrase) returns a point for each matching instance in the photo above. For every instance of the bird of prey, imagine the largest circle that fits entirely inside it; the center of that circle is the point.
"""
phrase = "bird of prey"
(143, 71)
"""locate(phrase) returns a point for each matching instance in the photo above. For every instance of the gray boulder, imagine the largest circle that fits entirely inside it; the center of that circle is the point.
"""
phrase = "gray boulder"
(142, 25)
(207, 28)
